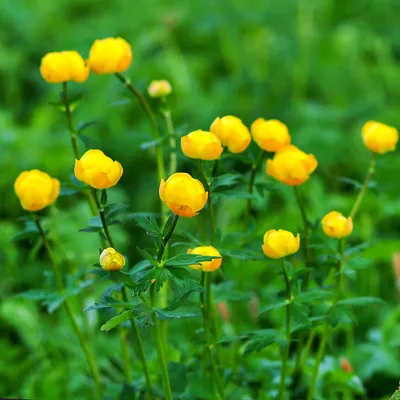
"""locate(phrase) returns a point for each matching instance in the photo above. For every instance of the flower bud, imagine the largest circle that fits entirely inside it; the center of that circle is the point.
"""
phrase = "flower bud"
(281, 243)
(345, 364)
(271, 135)
(159, 88)
(111, 261)
(207, 266)
(379, 138)
(291, 166)
(183, 195)
(97, 170)
(232, 132)
(201, 145)
(64, 66)
(36, 189)
(335, 225)
(110, 55)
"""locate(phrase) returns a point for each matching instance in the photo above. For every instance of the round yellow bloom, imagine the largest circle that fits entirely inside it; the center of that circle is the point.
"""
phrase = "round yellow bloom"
(111, 261)
(271, 135)
(36, 189)
(379, 138)
(183, 195)
(98, 170)
(206, 266)
(291, 166)
(159, 88)
(201, 145)
(111, 55)
(335, 225)
(281, 243)
(232, 132)
(64, 66)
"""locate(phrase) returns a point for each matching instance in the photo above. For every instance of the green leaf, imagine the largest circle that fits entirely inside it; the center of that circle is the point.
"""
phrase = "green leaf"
(145, 282)
(121, 277)
(314, 295)
(84, 125)
(237, 194)
(360, 301)
(161, 276)
(95, 225)
(260, 341)
(243, 254)
(115, 321)
(182, 312)
(152, 143)
(184, 260)
(28, 233)
(274, 306)
(190, 286)
(225, 180)
(227, 291)
(149, 224)
(146, 255)
(114, 210)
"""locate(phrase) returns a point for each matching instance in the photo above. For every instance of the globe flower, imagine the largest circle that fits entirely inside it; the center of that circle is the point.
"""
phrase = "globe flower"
(98, 170)
(183, 195)
(201, 145)
(232, 132)
(109, 56)
(379, 138)
(36, 189)
(291, 166)
(335, 225)
(271, 135)
(111, 261)
(64, 66)
(281, 243)
(206, 266)
(159, 88)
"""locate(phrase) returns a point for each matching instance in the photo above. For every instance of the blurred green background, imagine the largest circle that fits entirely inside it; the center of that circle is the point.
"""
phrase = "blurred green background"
(324, 67)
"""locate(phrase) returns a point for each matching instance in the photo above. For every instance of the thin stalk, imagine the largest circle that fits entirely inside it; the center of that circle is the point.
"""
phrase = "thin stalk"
(285, 358)
(89, 357)
(210, 202)
(252, 179)
(102, 215)
(166, 238)
(166, 113)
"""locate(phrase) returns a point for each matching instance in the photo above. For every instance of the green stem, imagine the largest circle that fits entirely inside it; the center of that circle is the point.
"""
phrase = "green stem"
(70, 312)
(253, 173)
(166, 238)
(361, 195)
(102, 215)
(210, 202)
(166, 113)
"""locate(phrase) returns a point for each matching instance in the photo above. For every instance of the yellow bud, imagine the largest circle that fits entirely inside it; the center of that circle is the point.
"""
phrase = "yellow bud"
(291, 166)
(379, 138)
(110, 55)
(183, 195)
(232, 132)
(201, 145)
(335, 225)
(64, 66)
(98, 170)
(206, 266)
(281, 243)
(271, 135)
(36, 189)
(159, 88)
(111, 260)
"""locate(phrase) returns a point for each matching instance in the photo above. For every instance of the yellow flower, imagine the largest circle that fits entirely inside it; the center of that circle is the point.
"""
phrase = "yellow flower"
(206, 266)
(36, 189)
(183, 195)
(232, 132)
(379, 138)
(64, 66)
(271, 135)
(201, 145)
(159, 88)
(111, 55)
(335, 225)
(98, 170)
(281, 243)
(291, 166)
(111, 260)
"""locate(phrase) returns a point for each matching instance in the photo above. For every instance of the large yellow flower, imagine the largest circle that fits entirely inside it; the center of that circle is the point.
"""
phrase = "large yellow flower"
(64, 66)
(206, 266)
(280, 243)
(98, 170)
(201, 145)
(271, 135)
(183, 195)
(291, 166)
(379, 138)
(36, 189)
(110, 260)
(335, 225)
(110, 55)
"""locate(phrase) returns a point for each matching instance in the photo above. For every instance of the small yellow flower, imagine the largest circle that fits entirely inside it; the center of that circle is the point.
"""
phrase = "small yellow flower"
(206, 266)
(335, 225)
(183, 195)
(111, 260)
(291, 166)
(110, 55)
(281, 243)
(98, 170)
(271, 135)
(379, 138)
(201, 145)
(232, 132)
(64, 66)
(36, 189)
(159, 88)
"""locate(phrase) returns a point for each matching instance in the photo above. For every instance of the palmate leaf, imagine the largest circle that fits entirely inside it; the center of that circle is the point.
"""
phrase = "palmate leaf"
(224, 181)
(314, 296)
(183, 260)
(260, 341)
(148, 223)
